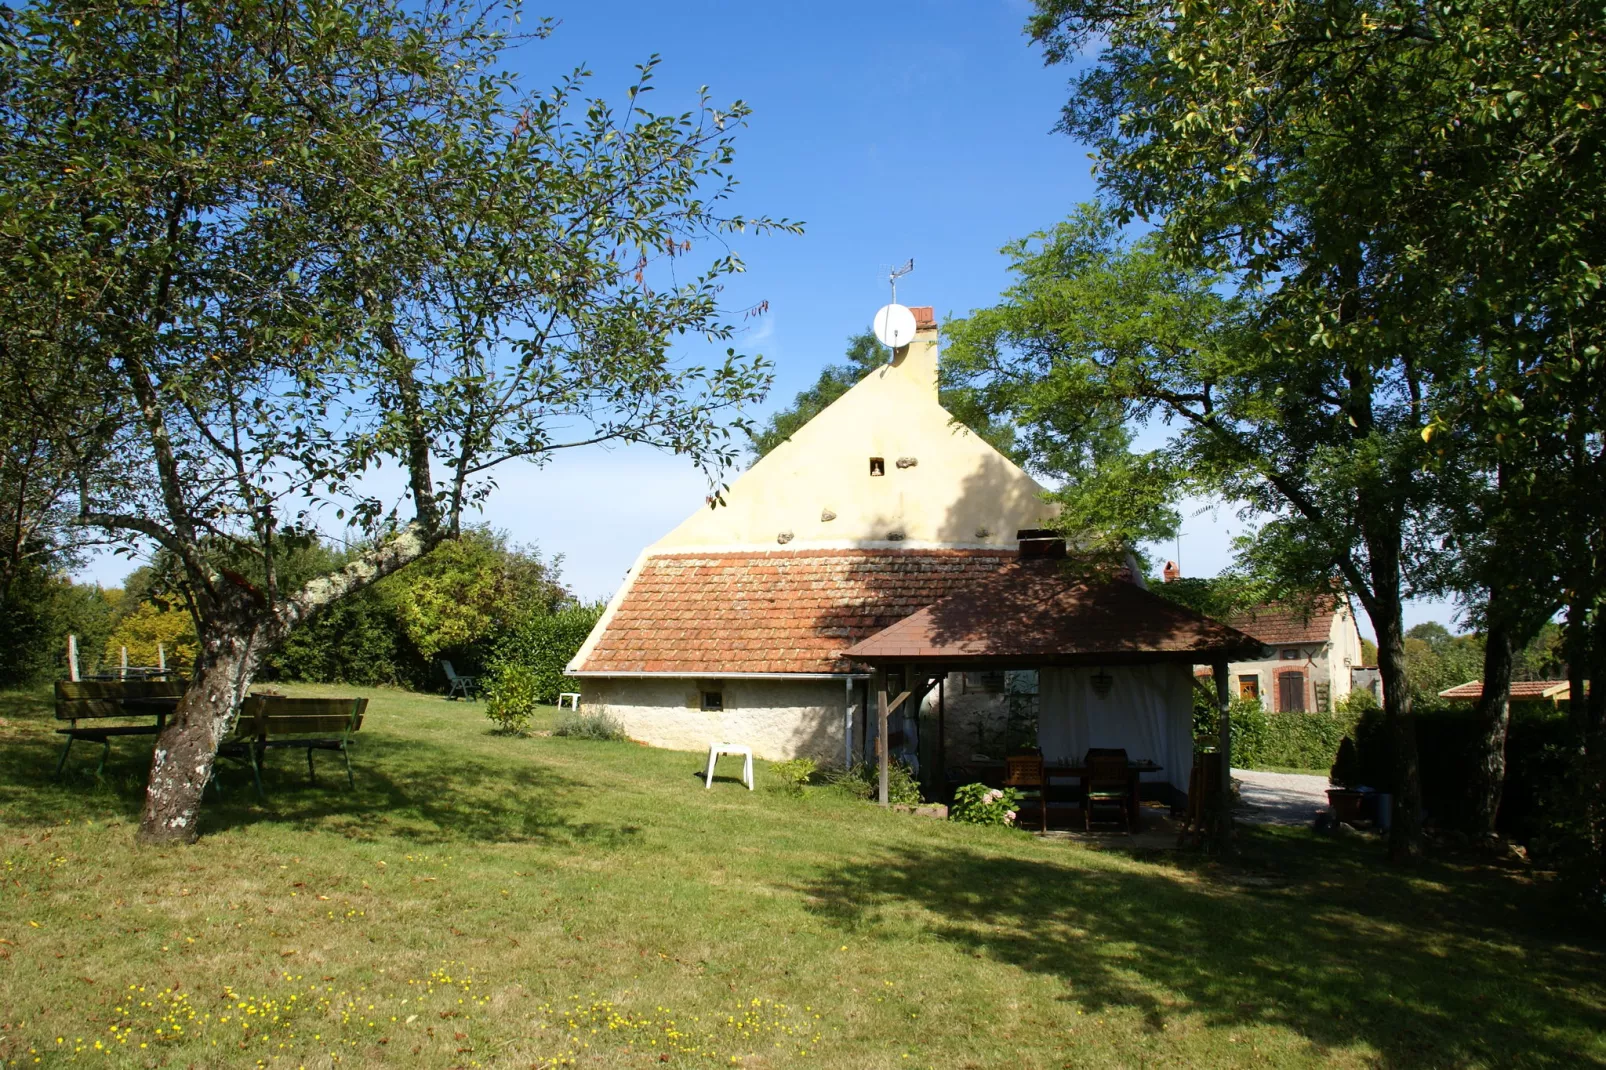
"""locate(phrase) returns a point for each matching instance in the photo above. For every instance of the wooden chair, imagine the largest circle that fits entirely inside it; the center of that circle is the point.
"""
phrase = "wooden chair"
(1108, 785)
(458, 685)
(116, 708)
(1024, 772)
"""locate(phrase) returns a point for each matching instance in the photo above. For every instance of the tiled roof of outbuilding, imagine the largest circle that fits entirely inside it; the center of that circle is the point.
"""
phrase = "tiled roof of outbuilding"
(1521, 690)
(1277, 624)
(715, 613)
(1034, 614)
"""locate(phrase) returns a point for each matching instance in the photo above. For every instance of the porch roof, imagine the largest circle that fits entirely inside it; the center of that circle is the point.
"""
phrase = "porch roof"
(1031, 615)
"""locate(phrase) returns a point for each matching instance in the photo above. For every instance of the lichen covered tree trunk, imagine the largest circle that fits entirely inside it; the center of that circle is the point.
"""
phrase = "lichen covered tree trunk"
(186, 750)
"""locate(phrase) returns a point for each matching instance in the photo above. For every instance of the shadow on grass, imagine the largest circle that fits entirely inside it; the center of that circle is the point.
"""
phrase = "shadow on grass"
(404, 787)
(1341, 952)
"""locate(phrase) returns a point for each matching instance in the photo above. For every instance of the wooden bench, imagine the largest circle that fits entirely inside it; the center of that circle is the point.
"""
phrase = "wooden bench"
(100, 709)
(275, 722)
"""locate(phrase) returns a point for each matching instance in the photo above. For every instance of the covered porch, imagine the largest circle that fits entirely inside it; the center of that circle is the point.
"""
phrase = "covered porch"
(1114, 671)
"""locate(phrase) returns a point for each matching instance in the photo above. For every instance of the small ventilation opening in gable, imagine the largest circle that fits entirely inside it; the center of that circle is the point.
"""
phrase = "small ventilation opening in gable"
(878, 466)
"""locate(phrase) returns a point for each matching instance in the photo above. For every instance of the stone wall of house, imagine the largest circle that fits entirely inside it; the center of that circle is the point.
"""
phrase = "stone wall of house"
(973, 720)
(779, 719)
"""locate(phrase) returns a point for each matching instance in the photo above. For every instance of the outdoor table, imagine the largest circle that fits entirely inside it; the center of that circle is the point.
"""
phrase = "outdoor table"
(1067, 769)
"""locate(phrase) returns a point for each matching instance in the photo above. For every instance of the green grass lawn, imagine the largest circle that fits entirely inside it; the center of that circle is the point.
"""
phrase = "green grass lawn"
(481, 900)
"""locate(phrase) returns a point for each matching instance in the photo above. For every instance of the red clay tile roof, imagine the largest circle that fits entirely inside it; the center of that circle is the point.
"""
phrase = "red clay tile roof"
(925, 317)
(708, 614)
(1032, 614)
(1521, 690)
(1277, 624)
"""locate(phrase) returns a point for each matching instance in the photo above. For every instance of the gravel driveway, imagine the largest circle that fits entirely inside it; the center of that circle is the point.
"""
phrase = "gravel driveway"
(1279, 798)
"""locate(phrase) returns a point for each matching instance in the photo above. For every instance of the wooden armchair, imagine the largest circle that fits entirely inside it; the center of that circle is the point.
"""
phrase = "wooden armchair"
(1107, 786)
(1024, 772)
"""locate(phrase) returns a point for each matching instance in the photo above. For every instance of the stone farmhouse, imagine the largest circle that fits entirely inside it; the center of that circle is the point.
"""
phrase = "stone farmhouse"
(1312, 654)
(734, 625)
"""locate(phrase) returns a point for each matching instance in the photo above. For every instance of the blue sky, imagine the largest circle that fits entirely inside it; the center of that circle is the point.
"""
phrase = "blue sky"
(893, 130)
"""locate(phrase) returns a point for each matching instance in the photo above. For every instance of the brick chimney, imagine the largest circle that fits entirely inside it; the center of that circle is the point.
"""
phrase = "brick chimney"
(1171, 571)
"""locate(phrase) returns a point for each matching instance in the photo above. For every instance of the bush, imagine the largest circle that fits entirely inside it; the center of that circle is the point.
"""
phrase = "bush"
(864, 781)
(511, 699)
(1537, 759)
(794, 774)
(577, 725)
(1303, 740)
(977, 804)
(544, 644)
(1295, 740)
(1249, 729)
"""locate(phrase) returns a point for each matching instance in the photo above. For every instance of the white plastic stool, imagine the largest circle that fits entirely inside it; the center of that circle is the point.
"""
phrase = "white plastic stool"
(574, 700)
(716, 749)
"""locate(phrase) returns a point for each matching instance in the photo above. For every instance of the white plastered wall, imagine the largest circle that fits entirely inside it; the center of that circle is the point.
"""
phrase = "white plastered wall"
(779, 719)
(816, 488)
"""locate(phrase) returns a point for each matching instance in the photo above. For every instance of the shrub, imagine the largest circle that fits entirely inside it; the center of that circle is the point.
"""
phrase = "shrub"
(511, 699)
(544, 644)
(1303, 740)
(1249, 729)
(794, 774)
(864, 781)
(577, 725)
(977, 804)
(1447, 744)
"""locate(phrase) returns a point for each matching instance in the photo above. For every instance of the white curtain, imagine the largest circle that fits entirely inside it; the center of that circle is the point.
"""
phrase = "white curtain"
(1148, 711)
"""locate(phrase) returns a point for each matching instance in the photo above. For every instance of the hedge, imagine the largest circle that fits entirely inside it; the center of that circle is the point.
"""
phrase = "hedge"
(544, 644)
(1447, 752)
(1295, 740)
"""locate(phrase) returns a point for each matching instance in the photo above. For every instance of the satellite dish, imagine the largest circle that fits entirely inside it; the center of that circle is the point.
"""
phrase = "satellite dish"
(895, 326)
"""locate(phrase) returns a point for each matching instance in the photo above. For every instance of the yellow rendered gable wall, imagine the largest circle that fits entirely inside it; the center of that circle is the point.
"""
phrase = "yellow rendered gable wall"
(816, 489)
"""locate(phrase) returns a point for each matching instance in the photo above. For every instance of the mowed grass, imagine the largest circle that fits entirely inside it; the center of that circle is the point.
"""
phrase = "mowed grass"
(480, 900)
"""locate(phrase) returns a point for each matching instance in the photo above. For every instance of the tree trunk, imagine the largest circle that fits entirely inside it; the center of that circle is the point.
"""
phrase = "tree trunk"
(186, 750)
(1493, 715)
(239, 630)
(1405, 830)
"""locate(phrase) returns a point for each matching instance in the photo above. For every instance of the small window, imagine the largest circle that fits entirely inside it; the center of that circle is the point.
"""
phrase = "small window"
(1249, 687)
(713, 700)
(985, 683)
(878, 466)
(1291, 654)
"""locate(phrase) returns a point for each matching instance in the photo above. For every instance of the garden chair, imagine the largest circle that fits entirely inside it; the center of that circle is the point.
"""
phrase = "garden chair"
(1108, 785)
(1025, 773)
(716, 748)
(458, 685)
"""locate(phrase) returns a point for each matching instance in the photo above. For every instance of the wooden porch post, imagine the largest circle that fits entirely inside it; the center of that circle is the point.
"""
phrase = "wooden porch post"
(1223, 801)
(881, 729)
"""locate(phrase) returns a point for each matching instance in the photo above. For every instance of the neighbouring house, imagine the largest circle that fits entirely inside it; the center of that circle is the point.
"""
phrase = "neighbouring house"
(1312, 658)
(734, 625)
(1554, 692)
